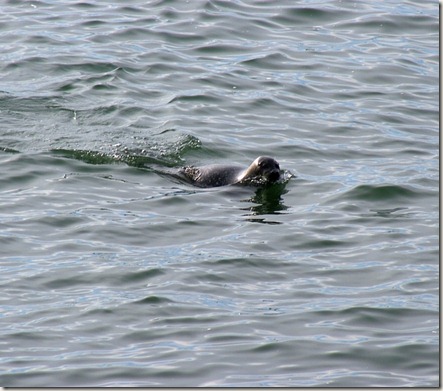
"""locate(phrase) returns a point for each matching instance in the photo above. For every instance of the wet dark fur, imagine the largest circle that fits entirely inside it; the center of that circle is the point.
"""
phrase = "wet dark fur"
(262, 171)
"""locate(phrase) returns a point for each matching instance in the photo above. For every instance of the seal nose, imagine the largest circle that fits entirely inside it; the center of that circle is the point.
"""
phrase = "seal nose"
(274, 175)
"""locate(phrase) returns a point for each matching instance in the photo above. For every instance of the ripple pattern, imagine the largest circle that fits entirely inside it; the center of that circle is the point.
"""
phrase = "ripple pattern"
(116, 274)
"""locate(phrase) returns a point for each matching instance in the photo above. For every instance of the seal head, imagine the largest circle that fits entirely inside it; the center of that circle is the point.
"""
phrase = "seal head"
(262, 171)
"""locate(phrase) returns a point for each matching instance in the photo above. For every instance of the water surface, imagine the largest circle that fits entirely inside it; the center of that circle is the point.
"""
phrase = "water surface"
(115, 273)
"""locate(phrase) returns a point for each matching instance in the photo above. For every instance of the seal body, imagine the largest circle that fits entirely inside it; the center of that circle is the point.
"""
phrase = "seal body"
(262, 171)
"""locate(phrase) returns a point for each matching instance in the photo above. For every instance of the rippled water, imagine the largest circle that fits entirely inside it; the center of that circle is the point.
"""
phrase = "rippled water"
(114, 273)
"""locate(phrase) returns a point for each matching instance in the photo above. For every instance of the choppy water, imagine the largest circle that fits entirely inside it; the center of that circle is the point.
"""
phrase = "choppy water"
(114, 274)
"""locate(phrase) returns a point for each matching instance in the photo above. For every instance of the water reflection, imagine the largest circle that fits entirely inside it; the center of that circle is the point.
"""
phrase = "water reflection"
(267, 201)
(390, 213)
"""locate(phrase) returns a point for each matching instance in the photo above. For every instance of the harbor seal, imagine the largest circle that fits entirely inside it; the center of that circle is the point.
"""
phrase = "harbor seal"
(263, 170)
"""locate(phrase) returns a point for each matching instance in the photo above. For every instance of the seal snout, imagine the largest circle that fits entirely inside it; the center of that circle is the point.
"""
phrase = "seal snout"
(274, 176)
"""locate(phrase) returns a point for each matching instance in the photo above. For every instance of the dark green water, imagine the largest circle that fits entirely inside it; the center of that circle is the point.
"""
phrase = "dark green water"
(117, 274)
